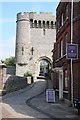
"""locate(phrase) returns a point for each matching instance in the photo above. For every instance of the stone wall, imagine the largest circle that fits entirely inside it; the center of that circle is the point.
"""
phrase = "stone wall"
(14, 83)
(11, 70)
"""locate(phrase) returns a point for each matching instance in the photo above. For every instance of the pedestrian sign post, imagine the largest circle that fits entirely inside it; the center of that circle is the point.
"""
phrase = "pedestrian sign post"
(50, 95)
(72, 51)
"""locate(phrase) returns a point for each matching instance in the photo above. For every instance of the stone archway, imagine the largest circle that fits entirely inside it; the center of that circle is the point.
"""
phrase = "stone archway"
(43, 66)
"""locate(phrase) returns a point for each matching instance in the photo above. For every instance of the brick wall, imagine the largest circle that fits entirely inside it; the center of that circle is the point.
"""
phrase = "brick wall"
(61, 32)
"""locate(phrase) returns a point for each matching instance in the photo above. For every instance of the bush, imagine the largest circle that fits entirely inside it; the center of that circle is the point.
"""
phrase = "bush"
(27, 74)
(9, 61)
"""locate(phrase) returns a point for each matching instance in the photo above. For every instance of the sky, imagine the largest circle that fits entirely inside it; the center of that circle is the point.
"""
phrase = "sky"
(8, 14)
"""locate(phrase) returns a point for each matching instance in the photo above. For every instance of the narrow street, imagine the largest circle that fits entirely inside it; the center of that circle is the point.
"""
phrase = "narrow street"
(14, 104)
(31, 103)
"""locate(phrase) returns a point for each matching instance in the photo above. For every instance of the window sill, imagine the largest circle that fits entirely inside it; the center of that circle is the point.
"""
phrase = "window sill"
(60, 58)
(63, 24)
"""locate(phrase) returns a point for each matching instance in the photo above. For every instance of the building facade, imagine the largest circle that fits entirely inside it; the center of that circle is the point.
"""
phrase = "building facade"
(62, 65)
(34, 37)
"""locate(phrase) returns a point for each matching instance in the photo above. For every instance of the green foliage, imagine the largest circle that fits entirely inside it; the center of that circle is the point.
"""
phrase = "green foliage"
(27, 74)
(10, 61)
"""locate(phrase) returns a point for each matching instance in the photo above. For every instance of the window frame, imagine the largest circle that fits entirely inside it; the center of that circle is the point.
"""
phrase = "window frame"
(61, 48)
(67, 11)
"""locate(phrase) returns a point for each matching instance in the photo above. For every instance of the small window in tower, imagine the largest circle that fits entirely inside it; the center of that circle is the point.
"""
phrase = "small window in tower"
(43, 31)
(32, 50)
(35, 23)
(39, 24)
(22, 50)
(52, 24)
(43, 24)
(31, 23)
(47, 24)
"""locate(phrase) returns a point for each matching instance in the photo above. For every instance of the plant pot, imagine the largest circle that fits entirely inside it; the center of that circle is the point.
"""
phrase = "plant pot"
(29, 80)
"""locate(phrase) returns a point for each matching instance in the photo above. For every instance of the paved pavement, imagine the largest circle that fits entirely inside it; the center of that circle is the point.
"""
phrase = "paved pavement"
(59, 109)
(31, 103)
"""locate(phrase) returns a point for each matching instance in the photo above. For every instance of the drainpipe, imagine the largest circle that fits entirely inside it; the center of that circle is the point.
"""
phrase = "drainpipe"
(71, 59)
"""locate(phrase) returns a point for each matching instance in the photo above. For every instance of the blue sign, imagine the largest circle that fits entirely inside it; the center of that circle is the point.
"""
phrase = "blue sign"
(72, 51)
(50, 95)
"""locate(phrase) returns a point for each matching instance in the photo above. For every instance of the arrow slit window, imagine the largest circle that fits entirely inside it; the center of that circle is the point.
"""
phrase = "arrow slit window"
(32, 50)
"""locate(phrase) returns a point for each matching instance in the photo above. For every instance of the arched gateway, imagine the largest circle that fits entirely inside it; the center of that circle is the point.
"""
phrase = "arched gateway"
(43, 66)
(35, 36)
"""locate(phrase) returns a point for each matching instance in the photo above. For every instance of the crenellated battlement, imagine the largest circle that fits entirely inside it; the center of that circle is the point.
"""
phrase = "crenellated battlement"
(42, 16)
(38, 20)
(23, 16)
(34, 13)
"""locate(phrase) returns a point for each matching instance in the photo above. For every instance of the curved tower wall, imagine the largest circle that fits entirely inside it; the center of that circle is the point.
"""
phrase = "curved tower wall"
(22, 42)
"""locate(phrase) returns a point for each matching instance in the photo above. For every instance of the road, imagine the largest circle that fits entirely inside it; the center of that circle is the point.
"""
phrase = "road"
(30, 102)
(14, 104)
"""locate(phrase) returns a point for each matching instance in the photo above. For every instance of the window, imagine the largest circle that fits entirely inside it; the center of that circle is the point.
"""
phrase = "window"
(61, 48)
(43, 24)
(65, 42)
(58, 50)
(52, 24)
(58, 24)
(39, 24)
(22, 50)
(66, 37)
(47, 24)
(35, 23)
(43, 31)
(31, 23)
(62, 20)
(66, 79)
(67, 11)
(32, 50)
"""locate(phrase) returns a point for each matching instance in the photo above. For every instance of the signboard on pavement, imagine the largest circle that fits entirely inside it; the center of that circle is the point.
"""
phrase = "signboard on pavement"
(50, 95)
(72, 51)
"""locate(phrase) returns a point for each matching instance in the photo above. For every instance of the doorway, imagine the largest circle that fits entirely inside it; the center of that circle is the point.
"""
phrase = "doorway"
(44, 67)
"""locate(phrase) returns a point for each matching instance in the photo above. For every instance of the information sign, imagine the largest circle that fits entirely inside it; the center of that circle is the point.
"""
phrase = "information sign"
(72, 51)
(50, 95)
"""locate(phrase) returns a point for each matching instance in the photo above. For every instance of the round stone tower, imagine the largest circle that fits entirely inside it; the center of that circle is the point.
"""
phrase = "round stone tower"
(22, 42)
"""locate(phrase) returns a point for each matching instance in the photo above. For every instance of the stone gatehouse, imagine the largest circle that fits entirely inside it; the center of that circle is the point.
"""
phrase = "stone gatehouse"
(35, 35)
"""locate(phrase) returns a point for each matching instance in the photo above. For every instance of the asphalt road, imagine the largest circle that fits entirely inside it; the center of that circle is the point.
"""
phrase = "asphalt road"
(30, 104)
(14, 104)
